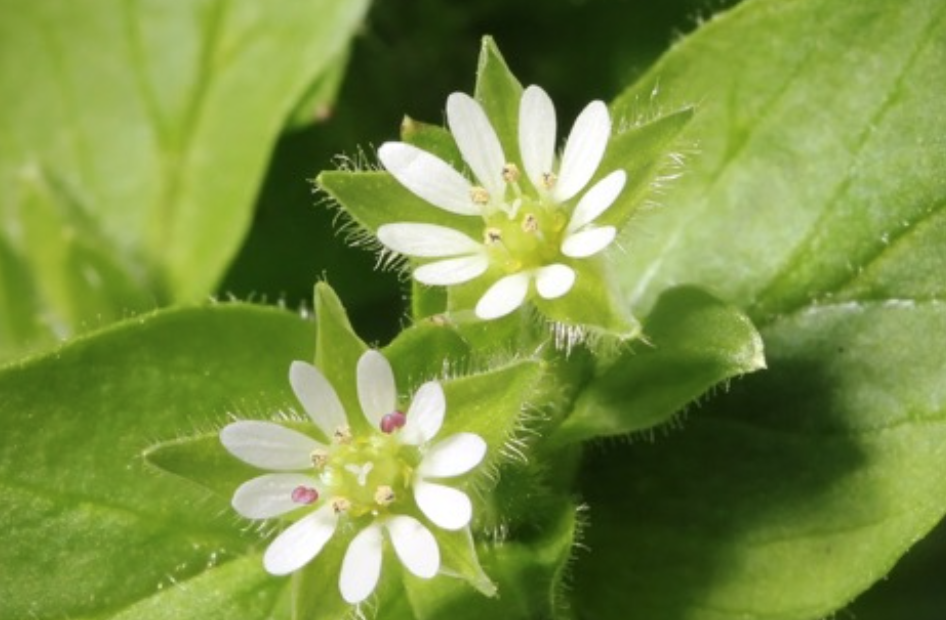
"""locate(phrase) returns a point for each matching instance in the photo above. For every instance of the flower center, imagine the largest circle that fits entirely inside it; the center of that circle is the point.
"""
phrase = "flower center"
(526, 237)
(366, 475)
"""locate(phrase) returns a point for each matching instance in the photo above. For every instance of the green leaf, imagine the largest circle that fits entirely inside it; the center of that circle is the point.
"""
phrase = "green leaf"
(809, 170)
(694, 342)
(86, 528)
(790, 495)
(156, 137)
(814, 205)
(238, 589)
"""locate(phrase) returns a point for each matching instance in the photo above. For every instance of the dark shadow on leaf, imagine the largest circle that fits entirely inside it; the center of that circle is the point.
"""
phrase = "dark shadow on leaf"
(702, 513)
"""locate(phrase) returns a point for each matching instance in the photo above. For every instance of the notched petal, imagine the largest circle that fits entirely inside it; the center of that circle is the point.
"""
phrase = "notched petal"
(425, 416)
(588, 242)
(503, 297)
(269, 446)
(597, 200)
(428, 177)
(453, 456)
(270, 495)
(317, 397)
(427, 240)
(477, 141)
(452, 271)
(299, 543)
(583, 151)
(537, 127)
(361, 567)
(447, 507)
(414, 545)
(377, 392)
(553, 281)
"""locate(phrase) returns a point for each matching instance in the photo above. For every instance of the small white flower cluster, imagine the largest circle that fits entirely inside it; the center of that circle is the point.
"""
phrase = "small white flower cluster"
(356, 480)
(531, 231)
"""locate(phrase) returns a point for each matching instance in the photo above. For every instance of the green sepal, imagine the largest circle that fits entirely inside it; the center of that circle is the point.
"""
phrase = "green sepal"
(643, 152)
(201, 459)
(475, 405)
(694, 342)
(592, 308)
(530, 571)
(432, 138)
(425, 350)
(499, 92)
(337, 350)
(315, 590)
(427, 301)
(459, 559)
(373, 199)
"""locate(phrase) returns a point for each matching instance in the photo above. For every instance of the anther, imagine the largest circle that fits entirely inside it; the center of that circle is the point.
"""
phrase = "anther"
(492, 235)
(304, 495)
(340, 505)
(319, 458)
(530, 223)
(384, 496)
(479, 195)
(392, 421)
(549, 179)
(510, 173)
(342, 435)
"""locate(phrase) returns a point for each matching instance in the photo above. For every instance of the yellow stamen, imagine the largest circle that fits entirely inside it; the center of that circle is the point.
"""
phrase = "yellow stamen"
(384, 495)
(479, 195)
(510, 173)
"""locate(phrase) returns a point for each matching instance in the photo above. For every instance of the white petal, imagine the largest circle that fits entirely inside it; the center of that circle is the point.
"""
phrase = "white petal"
(597, 200)
(425, 416)
(269, 446)
(270, 495)
(503, 297)
(453, 456)
(427, 240)
(477, 142)
(445, 506)
(429, 177)
(415, 546)
(553, 281)
(588, 242)
(376, 390)
(452, 270)
(300, 542)
(583, 151)
(361, 567)
(537, 127)
(318, 397)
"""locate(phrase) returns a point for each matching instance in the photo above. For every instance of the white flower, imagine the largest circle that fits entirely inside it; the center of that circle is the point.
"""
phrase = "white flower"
(530, 231)
(364, 477)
